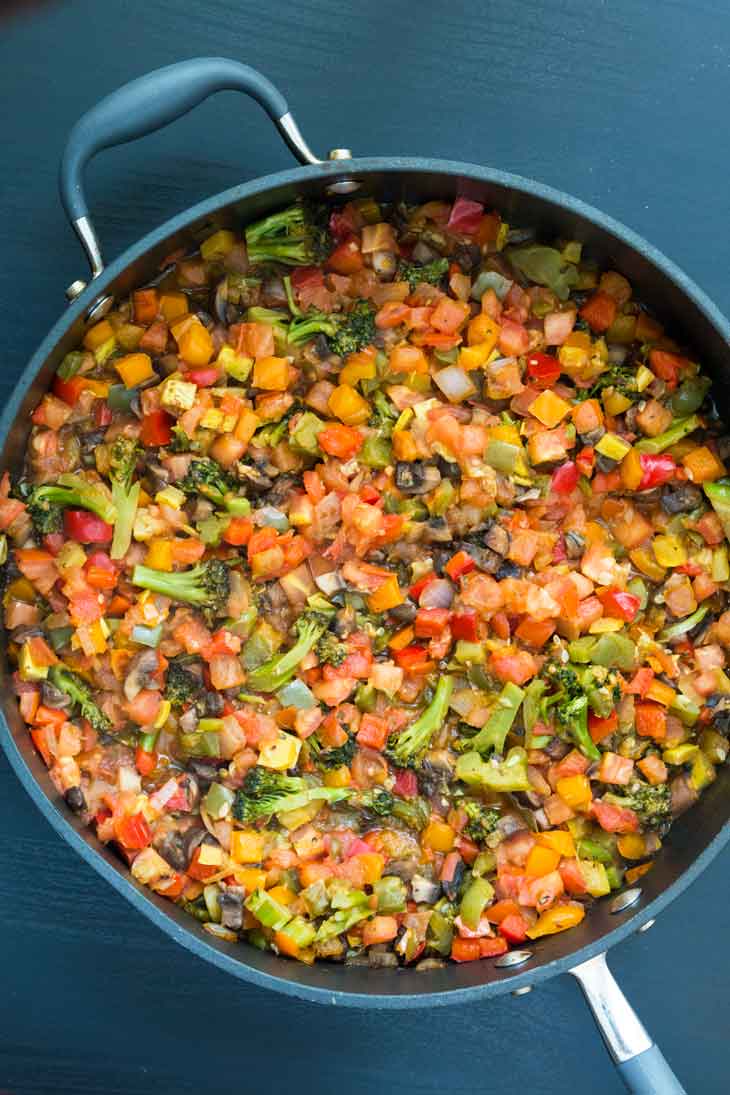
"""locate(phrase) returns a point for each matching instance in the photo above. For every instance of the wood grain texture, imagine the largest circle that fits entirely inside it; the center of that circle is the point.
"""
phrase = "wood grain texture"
(621, 103)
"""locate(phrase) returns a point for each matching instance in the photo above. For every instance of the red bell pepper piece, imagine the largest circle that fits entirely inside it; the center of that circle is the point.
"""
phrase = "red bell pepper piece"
(133, 832)
(85, 527)
(156, 429)
(145, 762)
(465, 217)
(53, 542)
(459, 564)
(102, 413)
(418, 587)
(431, 622)
(565, 478)
(600, 728)
(640, 683)
(203, 378)
(514, 928)
(586, 461)
(464, 625)
(413, 658)
(69, 390)
(619, 604)
(342, 223)
(656, 470)
(543, 369)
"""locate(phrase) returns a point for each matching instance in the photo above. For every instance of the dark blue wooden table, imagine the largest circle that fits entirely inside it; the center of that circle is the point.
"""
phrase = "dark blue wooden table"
(624, 104)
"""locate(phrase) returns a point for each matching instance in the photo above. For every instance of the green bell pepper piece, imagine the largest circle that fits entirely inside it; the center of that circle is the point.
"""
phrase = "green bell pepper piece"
(546, 266)
(477, 896)
(675, 631)
(506, 775)
(690, 395)
(613, 651)
(296, 694)
(303, 437)
(218, 801)
(268, 910)
(341, 921)
(391, 894)
(376, 451)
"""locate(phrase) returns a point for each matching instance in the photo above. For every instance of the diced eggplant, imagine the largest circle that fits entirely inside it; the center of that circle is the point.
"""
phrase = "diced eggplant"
(681, 498)
(497, 538)
(231, 905)
(424, 890)
(415, 477)
(75, 800)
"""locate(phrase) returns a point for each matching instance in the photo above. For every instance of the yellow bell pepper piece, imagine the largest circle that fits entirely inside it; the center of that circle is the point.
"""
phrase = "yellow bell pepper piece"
(159, 555)
(97, 335)
(271, 374)
(349, 406)
(282, 753)
(559, 840)
(575, 791)
(632, 846)
(549, 409)
(614, 402)
(404, 446)
(337, 777)
(510, 434)
(661, 693)
(613, 447)
(605, 625)
(402, 638)
(251, 878)
(100, 388)
(372, 864)
(247, 846)
(557, 919)
(162, 715)
(474, 357)
(644, 561)
(438, 836)
(173, 306)
(669, 551)
(542, 861)
(631, 470)
(195, 344)
(386, 596)
(702, 466)
(134, 369)
(218, 245)
(483, 331)
(574, 354)
(360, 368)
(644, 377)
(245, 428)
(282, 894)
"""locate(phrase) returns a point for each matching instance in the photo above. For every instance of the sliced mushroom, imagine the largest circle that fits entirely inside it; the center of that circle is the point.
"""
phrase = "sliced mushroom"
(231, 905)
(415, 477)
(681, 498)
(142, 669)
(575, 545)
(497, 538)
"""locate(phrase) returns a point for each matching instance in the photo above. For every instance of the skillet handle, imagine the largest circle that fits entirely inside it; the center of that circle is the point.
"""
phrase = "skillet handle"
(149, 103)
(639, 1061)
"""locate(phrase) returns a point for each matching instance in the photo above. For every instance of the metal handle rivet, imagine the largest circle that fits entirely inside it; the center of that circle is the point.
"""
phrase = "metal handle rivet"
(340, 154)
(523, 991)
(75, 289)
(513, 958)
(649, 924)
(625, 900)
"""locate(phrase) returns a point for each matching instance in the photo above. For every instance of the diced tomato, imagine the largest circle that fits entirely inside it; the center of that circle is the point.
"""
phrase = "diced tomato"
(239, 531)
(514, 928)
(599, 311)
(373, 732)
(572, 877)
(145, 762)
(585, 461)
(517, 665)
(156, 429)
(449, 315)
(465, 216)
(69, 390)
(340, 441)
(392, 314)
(667, 366)
(414, 659)
(514, 338)
(200, 871)
(85, 527)
(342, 223)
(641, 681)
(615, 769)
(308, 277)
(406, 784)
(614, 819)
(651, 720)
(347, 257)
(102, 413)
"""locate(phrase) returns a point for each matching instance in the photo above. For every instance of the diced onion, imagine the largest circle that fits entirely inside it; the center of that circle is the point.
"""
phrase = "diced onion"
(455, 383)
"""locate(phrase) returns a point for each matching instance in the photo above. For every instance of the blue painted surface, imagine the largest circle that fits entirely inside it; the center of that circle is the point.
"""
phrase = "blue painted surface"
(630, 143)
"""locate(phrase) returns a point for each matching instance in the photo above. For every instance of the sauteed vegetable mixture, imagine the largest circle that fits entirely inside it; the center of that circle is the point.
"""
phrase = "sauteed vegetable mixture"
(367, 579)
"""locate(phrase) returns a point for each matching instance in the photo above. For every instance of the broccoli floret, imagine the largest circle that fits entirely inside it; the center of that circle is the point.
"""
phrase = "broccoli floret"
(482, 821)
(331, 758)
(346, 333)
(330, 650)
(293, 237)
(80, 693)
(569, 705)
(47, 502)
(265, 792)
(410, 744)
(652, 804)
(278, 320)
(181, 686)
(206, 585)
(385, 413)
(431, 272)
(123, 459)
(375, 803)
(206, 477)
(180, 442)
(274, 674)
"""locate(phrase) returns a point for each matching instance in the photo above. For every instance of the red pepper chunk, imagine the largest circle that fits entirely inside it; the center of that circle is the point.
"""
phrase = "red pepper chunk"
(156, 429)
(347, 258)
(656, 470)
(565, 478)
(459, 564)
(465, 217)
(543, 369)
(464, 625)
(431, 622)
(133, 832)
(418, 587)
(413, 658)
(85, 527)
(618, 604)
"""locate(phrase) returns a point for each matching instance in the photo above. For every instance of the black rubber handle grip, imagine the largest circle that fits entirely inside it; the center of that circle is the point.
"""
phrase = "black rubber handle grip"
(149, 103)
